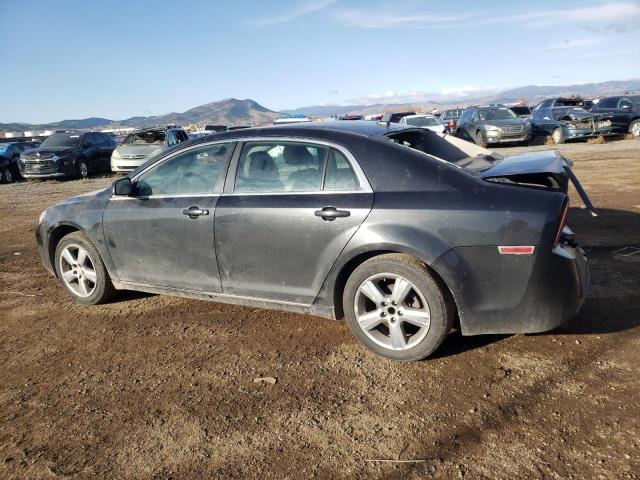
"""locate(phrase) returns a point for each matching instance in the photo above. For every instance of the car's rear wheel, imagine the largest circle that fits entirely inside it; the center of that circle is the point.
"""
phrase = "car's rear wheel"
(396, 308)
(557, 136)
(83, 171)
(81, 270)
(634, 128)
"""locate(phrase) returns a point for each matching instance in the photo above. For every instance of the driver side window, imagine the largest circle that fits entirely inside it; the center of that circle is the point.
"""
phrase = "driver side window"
(193, 172)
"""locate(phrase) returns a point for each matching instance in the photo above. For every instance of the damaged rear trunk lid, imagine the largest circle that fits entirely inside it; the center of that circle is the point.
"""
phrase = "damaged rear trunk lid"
(546, 169)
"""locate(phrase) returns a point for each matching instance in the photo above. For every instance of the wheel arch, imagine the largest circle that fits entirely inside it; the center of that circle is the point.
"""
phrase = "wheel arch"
(57, 234)
(355, 261)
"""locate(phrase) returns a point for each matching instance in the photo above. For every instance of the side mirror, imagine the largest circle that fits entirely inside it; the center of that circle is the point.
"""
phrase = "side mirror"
(123, 187)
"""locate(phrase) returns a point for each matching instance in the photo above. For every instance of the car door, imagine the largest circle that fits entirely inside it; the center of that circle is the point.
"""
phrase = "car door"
(542, 122)
(609, 107)
(622, 115)
(163, 235)
(289, 208)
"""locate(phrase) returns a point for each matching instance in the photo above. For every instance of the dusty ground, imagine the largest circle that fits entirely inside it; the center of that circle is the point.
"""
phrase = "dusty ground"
(161, 387)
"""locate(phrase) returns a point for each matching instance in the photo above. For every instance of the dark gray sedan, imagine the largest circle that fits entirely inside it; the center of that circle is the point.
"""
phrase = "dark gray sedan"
(404, 232)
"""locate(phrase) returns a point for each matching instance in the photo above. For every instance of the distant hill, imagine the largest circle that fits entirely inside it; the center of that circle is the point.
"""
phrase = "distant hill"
(532, 93)
(229, 111)
(232, 110)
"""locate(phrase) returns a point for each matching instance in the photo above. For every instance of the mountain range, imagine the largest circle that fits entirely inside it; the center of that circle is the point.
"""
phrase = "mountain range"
(234, 111)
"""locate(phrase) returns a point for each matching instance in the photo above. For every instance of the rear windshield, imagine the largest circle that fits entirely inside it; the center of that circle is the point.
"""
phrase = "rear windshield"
(502, 113)
(451, 114)
(148, 137)
(423, 121)
(61, 140)
(569, 102)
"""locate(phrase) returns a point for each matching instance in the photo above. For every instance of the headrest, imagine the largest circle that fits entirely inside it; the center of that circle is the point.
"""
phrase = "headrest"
(262, 167)
(297, 155)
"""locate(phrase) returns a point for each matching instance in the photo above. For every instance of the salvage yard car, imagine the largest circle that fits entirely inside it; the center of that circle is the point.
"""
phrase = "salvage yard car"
(569, 123)
(405, 232)
(144, 144)
(492, 124)
(624, 112)
(430, 122)
(9, 156)
(68, 154)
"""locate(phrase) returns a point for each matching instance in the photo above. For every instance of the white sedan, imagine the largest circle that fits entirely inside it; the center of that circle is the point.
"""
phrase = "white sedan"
(429, 122)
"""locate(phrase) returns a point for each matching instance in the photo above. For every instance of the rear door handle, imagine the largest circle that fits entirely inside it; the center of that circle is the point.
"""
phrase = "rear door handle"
(195, 212)
(331, 213)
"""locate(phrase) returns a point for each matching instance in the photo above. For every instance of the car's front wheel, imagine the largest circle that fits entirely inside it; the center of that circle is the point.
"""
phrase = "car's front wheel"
(81, 270)
(6, 175)
(557, 136)
(396, 308)
(83, 170)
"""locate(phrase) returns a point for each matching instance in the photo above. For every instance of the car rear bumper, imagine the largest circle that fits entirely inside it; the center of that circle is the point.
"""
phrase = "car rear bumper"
(499, 294)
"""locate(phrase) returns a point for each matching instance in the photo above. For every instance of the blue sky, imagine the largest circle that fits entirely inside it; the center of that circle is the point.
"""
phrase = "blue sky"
(116, 59)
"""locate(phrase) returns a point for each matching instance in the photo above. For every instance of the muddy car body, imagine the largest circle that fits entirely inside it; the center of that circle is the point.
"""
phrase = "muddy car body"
(402, 230)
(569, 123)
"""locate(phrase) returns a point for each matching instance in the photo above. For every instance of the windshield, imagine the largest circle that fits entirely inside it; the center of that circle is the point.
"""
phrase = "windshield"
(148, 137)
(61, 140)
(496, 114)
(521, 110)
(423, 121)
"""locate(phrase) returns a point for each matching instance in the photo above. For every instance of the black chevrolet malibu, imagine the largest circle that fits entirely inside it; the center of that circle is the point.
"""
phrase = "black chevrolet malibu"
(405, 232)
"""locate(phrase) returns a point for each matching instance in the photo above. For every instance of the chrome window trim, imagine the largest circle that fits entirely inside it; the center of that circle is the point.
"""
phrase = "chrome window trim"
(167, 195)
(364, 185)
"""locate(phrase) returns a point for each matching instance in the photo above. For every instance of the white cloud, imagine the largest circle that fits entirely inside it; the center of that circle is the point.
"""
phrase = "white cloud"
(573, 43)
(419, 96)
(390, 17)
(304, 8)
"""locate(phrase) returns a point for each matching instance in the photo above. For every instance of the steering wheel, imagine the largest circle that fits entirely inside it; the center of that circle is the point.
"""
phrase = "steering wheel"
(191, 182)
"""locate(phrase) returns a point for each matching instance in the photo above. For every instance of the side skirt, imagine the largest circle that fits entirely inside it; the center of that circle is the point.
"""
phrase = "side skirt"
(320, 311)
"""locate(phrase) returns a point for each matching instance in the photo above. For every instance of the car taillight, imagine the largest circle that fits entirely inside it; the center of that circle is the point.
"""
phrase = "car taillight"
(562, 220)
(452, 124)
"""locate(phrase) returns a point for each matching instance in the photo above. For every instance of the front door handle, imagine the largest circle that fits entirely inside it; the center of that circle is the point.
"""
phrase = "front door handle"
(331, 213)
(195, 212)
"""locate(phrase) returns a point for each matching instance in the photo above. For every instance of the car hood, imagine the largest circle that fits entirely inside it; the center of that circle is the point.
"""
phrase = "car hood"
(139, 151)
(49, 151)
(579, 115)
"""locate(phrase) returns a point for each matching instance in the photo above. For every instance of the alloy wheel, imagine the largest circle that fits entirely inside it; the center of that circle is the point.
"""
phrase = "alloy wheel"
(635, 129)
(78, 270)
(392, 312)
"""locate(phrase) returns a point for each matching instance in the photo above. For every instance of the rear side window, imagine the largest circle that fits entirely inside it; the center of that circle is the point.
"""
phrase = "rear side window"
(280, 167)
(624, 103)
(339, 174)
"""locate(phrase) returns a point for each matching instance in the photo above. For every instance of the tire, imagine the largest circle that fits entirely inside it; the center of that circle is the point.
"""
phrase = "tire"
(82, 170)
(418, 337)
(479, 140)
(557, 136)
(6, 176)
(97, 283)
(634, 128)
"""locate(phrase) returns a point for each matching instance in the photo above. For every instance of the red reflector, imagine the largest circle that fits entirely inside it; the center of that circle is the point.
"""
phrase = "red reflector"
(528, 250)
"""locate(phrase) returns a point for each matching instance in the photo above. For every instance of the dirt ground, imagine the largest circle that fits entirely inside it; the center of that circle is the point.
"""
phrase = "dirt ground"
(160, 387)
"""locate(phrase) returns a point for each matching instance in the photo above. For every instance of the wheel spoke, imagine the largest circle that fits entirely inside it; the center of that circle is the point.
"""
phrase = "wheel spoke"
(371, 290)
(419, 318)
(90, 275)
(369, 320)
(68, 276)
(82, 256)
(401, 289)
(66, 254)
(83, 287)
(397, 336)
